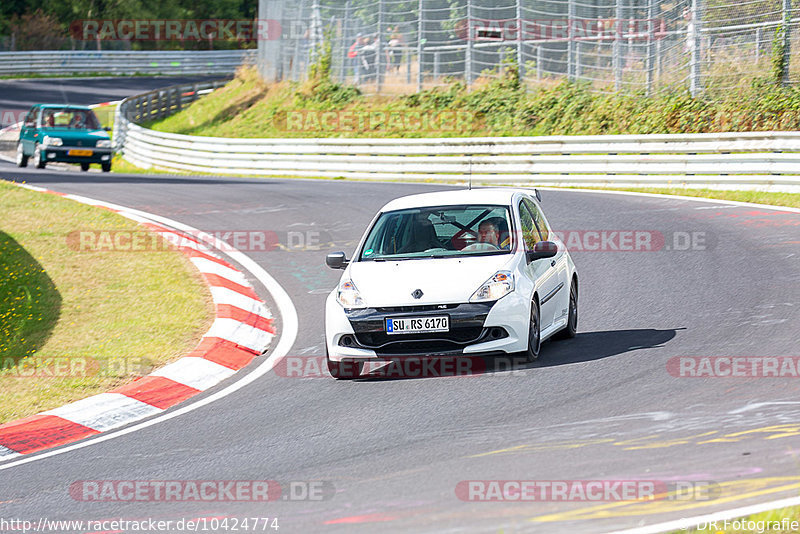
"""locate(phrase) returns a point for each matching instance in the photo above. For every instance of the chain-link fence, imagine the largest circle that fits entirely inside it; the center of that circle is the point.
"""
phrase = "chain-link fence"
(616, 45)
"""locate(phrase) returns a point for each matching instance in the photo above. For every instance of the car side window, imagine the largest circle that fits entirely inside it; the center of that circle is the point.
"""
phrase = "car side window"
(538, 219)
(530, 234)
(30, 119)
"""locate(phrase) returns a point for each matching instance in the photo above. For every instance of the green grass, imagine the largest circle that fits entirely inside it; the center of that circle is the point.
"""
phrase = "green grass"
(120, 312)
(757, 197)
(248, 108)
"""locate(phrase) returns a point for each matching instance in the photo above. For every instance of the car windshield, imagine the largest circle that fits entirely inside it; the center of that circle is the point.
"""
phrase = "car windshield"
(441, 231)
(76, 119)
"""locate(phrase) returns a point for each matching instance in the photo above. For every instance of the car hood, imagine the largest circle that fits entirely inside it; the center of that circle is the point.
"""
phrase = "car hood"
(441, 280)
(70, 137)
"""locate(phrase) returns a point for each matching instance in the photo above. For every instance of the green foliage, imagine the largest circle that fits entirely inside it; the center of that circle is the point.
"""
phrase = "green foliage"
(779, 64)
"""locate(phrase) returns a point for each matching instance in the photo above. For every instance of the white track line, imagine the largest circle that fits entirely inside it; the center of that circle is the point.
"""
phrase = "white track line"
(288, 334)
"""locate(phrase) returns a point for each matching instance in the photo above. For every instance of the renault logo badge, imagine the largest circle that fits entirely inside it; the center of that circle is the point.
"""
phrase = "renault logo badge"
(417, 294)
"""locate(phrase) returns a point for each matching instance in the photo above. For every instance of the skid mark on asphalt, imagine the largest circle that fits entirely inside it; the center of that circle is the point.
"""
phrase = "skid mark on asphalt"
(730, 492)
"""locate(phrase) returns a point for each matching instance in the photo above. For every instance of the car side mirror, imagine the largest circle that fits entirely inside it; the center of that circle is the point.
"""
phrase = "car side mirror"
(30, 124)
(336, 260)
(542, 249)
(107, 128)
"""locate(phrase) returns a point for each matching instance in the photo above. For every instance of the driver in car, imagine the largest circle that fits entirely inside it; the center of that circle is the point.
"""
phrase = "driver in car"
(488, 232)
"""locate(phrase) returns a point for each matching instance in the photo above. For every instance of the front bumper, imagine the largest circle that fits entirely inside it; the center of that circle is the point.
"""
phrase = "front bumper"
(61, 154)
(475, 328)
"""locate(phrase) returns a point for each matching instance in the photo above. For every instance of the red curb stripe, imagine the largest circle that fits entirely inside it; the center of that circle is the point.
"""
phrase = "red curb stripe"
(40, 432)
(227, 311)
(157, 391)
(224, 352)
(194, 253)
(217, 280)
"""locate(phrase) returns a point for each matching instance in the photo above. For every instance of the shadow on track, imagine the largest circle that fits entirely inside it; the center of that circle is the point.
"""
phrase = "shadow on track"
(586, 346)
(589, 346)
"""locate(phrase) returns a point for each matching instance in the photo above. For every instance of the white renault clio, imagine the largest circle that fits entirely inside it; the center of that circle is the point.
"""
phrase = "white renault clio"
(467, 272)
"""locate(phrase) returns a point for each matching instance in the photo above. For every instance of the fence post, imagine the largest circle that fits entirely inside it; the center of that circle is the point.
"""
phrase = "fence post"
(468, 53)
(420, 39)
(659, 60)
(345, 40)
(571, 44)
(787, 33)
(693, 35)
(315, 29)
(436, 66)
(758, 44)
(379, 51)
(520, 57)
(651, 9)
(617, 50)
(539, 62)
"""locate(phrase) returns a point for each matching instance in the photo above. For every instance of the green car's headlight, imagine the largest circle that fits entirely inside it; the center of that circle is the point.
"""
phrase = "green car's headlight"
(104, 143)
(52, 141)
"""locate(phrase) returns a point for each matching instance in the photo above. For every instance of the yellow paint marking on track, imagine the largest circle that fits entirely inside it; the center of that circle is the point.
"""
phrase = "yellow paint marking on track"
(777, 431)
(532, 447)
(663, 444)
(731, 491)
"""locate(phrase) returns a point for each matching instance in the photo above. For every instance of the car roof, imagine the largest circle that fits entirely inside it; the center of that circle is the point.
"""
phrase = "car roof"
(493, 195)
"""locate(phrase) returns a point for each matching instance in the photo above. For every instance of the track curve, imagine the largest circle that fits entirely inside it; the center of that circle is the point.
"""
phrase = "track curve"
(601, 406)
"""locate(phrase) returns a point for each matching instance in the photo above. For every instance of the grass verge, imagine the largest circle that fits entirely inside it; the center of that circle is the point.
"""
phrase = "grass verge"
(501, 106)
(79, 323)
(791, 200)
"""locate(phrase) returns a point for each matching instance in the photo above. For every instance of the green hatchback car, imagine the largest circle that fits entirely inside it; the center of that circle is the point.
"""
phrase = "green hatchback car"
(70, 134)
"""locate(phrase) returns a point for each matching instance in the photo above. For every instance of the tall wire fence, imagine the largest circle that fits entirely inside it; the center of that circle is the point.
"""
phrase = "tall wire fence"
(633, 46)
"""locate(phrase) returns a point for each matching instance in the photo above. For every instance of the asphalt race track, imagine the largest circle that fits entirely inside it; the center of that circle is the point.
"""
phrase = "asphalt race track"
(392, 452)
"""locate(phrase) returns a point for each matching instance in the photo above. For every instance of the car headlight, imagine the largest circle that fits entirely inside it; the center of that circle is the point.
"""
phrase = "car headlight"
(104, 143)
(348, 296)
(495, 288)
(52, 141)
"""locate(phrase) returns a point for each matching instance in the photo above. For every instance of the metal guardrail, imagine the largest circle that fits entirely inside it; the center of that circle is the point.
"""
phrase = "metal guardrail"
(171, 62)
(751, 160)
(156, 104)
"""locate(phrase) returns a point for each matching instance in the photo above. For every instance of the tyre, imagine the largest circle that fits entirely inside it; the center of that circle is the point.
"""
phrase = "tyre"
(22, 159)
(38, 161)
(571, 329)
(106, 166)
(345, 369)
(84, 167)
(534, 334)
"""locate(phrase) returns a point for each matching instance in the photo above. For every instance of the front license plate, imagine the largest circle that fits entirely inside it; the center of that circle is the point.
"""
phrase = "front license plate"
(78, 152)
(415, 325)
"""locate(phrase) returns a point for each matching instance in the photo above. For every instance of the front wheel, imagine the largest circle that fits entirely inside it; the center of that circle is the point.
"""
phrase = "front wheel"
(571, 329)
(534, 335)
(38, 160)
(84, 167)
(106, 167)
(22, 159)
